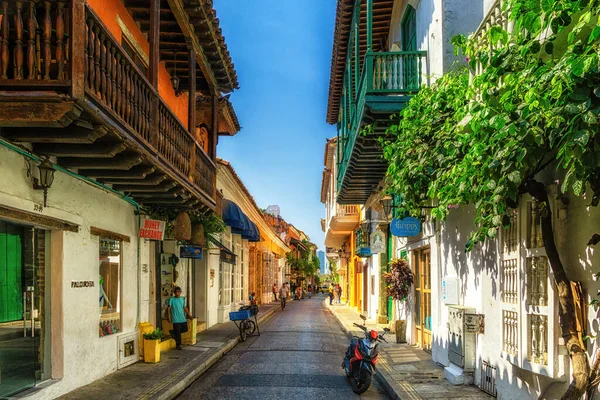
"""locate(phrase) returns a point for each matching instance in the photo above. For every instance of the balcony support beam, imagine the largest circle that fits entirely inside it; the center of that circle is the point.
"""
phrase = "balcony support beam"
(192, 108)
(77, 49)
(154, 39)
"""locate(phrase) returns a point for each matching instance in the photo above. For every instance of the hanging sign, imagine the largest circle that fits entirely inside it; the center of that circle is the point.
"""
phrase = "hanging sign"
(378, 242)
(405, 227)
(190, 252)
(364, 252)
(152, 229)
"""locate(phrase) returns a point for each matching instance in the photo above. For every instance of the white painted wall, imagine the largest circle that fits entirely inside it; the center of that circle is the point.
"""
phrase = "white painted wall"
(87, 357)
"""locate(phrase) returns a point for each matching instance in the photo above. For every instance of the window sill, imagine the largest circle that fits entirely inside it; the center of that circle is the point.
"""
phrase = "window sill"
(537, 369)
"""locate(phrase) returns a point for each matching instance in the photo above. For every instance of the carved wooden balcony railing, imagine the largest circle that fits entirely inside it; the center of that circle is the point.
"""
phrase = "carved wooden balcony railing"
(60, 52)
(34, 42)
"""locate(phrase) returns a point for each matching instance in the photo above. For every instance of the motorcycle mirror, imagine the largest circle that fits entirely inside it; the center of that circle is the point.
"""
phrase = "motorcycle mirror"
(363, 317)
(386, 330)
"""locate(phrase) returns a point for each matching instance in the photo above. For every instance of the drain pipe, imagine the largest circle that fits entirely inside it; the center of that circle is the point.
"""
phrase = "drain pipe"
(102, 186)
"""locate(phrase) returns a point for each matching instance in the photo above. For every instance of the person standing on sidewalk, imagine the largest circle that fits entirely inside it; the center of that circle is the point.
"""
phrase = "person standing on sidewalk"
(274, 292)
(284, 292)
(339, 294)
(309, 291)
(336, 293)
(177, 314)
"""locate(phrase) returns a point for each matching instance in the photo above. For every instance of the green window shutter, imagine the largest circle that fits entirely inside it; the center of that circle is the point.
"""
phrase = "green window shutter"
(409, 43)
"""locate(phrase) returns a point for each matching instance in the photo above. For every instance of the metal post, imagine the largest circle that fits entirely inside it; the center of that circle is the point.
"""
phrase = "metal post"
(24, 314)
(369, 25)
(32, 316)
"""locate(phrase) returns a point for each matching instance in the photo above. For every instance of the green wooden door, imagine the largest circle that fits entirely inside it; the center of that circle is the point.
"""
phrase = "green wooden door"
(11, 303)
(409, 43)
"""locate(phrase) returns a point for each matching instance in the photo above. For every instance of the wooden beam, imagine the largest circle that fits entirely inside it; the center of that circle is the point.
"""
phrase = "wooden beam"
(140, 172)
(192, 108)
(28, 113)
(154, 39)
(36, 219)
(119, 163)
(146, 189)
(98, 150)
(77, 49)
(76, 135)
(151, 180)
(178, 9)
(109, 234)
(214, 128)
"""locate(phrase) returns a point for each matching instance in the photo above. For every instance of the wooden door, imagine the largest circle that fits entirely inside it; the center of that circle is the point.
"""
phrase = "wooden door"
(422, 306)
(11, 285)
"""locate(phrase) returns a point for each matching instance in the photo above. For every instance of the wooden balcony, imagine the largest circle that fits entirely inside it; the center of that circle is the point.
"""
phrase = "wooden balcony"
(345, 219)
(388, 81)
(69, 89)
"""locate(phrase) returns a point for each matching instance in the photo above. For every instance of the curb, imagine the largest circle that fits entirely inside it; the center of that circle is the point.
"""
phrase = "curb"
(380, 375)
(185, 381)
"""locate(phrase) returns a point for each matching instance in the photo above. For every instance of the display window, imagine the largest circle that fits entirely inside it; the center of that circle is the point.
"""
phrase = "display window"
(110, 286)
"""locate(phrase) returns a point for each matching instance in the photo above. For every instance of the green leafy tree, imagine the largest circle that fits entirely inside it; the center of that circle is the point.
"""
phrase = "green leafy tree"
(487, 141)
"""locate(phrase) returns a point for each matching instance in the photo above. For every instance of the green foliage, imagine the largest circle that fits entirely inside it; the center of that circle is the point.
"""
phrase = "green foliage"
(213, 224)
(528, 108)
(305, 262)
(317, 280)
(399, 280)
(154, 335)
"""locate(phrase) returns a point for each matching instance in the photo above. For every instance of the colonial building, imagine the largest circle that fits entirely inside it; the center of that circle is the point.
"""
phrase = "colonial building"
(108, 109)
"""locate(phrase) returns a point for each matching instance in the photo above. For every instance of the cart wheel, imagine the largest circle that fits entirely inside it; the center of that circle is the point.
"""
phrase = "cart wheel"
(250, 327)
(243, 331)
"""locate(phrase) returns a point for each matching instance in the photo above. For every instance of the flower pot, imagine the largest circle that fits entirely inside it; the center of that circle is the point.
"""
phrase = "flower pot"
(151, 351)
(182, 229)
(198, 236)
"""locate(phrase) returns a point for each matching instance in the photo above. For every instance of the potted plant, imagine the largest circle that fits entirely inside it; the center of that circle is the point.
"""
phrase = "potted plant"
(398, 286)
(152, 346)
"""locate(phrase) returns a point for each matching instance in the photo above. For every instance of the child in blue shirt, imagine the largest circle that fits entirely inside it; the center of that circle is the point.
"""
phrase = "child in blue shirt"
(177, 313)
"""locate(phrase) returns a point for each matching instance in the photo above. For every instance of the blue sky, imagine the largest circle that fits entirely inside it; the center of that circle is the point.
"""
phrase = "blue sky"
(282, 54)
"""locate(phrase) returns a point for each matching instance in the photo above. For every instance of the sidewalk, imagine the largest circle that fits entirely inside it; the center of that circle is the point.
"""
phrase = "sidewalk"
(175, 371)
(405, 371)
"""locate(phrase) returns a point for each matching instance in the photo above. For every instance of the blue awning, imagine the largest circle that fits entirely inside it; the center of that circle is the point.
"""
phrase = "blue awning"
(239, 222)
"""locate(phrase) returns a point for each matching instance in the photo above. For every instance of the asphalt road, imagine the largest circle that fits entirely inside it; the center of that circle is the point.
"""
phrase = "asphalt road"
(297, 356)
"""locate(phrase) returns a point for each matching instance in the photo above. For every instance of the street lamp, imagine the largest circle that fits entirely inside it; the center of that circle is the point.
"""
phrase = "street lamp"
(46, 170)
(386, 204)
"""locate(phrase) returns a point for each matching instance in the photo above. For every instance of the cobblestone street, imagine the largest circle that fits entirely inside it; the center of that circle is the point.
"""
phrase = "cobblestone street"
(297, 356)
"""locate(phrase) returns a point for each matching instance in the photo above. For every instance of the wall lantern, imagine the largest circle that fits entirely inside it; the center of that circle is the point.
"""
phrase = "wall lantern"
(47, 171)
(386, 204)
(175, 78)
(342, 252)
(366, 226)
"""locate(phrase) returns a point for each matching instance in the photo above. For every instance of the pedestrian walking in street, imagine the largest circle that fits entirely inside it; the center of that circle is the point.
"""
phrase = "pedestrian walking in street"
(284, 292)
(299, 292)
(309, 291)
(177, 314)
(275, 292)
(339, 294)
(336, 293)
(331, 294)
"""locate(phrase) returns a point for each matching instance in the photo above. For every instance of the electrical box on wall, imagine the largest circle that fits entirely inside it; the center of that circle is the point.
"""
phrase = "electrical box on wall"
(450, 290)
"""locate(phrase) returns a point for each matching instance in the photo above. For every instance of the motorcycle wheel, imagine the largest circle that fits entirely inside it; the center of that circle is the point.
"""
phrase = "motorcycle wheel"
(360, 387)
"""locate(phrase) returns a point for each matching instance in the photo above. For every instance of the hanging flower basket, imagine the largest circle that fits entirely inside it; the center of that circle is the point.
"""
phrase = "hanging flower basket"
(182, 229)
(198, 236)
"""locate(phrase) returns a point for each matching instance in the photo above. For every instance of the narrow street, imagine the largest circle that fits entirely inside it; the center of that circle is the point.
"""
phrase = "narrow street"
(297, 356)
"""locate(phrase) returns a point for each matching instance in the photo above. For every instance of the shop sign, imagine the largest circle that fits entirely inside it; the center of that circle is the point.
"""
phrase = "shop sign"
(364, 252)
(405, 227)
(82, 284)
(378, 242)
(153, 229)
(227, 257)
(474, 323)
(190, 252)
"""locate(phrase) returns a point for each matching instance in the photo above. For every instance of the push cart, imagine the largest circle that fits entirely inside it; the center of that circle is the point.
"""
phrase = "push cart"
(243, 320)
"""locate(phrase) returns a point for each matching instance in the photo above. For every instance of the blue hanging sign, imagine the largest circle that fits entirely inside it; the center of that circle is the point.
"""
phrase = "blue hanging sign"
(405, 227)
(190, 252)
(364, 252)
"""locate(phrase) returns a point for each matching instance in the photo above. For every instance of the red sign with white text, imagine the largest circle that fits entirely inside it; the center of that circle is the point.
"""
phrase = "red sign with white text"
(152, 229)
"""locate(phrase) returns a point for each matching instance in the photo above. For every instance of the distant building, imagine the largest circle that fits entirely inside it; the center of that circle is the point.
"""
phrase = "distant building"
(323, 260)
(274, 210)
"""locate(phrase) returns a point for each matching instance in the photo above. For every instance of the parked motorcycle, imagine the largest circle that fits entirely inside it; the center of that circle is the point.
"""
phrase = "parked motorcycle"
(361, 357)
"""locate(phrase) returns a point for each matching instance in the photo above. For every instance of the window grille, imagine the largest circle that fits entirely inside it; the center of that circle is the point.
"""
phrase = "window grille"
(538, 335)
(534, 226)
(510, 281)
(537, 281)
(510, 340)
(488, 378)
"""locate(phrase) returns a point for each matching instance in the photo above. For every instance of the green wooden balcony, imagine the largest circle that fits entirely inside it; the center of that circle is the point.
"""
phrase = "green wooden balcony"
(386, 84)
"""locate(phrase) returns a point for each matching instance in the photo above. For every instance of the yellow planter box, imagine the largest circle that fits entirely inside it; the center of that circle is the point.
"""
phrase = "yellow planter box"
(190, 336)
(151, 351)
